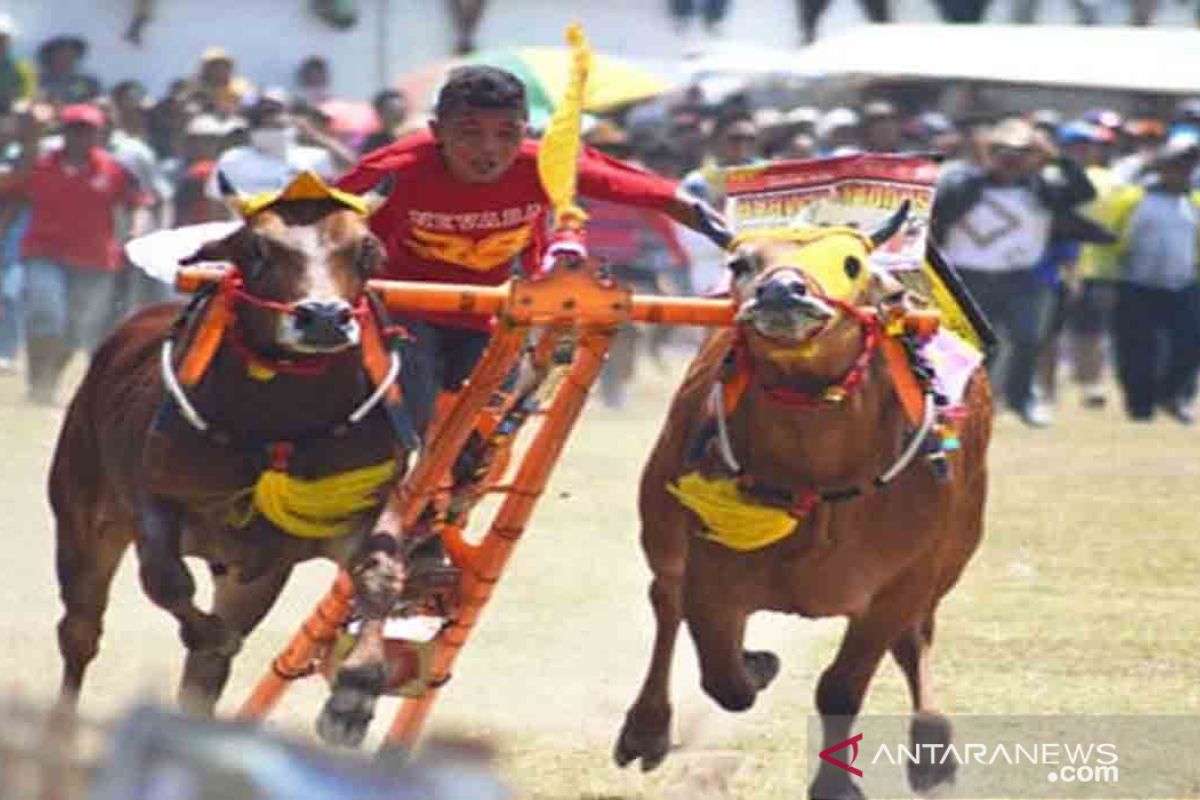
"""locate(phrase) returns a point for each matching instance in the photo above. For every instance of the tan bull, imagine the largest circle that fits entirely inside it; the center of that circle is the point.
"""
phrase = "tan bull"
(815, 423)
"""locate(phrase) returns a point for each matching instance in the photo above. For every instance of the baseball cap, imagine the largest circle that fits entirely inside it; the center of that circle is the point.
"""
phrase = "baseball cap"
(82, 114)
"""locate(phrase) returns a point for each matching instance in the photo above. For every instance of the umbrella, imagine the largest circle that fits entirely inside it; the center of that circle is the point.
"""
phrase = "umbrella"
(614, 82)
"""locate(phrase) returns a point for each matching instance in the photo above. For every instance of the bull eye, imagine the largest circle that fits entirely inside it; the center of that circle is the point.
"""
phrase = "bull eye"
(852, 266)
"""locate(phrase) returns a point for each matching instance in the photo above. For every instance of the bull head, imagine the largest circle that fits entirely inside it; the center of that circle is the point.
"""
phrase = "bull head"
(304, 255)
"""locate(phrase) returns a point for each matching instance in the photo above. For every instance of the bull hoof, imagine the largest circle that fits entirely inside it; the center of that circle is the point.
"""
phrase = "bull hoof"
(834, 787)
(762, 665)
(924, 777)
(351, 705)
(651, 747)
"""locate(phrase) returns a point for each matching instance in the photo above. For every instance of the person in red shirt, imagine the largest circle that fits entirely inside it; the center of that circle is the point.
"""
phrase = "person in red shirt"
(70, 251)
(467, 206)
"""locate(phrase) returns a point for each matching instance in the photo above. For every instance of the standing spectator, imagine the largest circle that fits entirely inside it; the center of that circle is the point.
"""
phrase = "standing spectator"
(1145, 137)
(201, 147)
(1089, 310)
(129, 145)
(881, 130)
(391, 106)
(639, 247)
(70, 252)
(221, 88)
(994, 224)
(61, 82)
(838, 132)
(14, 219)
(18, 81)
(273, 157)
(734, 144)
(312, 81)
(1157, 318)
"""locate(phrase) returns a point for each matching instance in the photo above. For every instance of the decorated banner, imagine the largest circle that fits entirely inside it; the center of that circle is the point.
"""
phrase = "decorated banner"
(861, 191)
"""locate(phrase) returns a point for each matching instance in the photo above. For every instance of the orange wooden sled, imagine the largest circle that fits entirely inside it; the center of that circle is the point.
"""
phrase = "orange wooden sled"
(573, 301)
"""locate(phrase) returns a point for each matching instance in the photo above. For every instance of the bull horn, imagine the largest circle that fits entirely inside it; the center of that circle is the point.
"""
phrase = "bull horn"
(891, 225)
(379, 193)
(230, 196)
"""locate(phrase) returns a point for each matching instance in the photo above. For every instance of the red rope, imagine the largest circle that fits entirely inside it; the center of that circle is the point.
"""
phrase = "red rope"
(850, 382)
(232, 293)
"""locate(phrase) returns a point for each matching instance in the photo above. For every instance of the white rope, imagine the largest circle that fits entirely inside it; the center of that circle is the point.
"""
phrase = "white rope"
(177, 394)
(380, 390)
(914, 444)
(724, 446)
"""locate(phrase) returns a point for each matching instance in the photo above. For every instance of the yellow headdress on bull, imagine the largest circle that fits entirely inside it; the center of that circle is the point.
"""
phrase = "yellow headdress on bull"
(833, 257)
(307, 185)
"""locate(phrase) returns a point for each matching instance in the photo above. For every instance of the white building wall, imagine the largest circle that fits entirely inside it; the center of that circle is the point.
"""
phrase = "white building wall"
(270, 37)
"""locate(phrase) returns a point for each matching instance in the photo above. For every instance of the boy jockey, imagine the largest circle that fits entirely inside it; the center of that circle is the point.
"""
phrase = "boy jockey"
(468, 207)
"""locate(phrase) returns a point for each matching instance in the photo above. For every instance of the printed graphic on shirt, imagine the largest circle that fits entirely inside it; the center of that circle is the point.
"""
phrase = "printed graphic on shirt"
(454, 238)
(990, 221)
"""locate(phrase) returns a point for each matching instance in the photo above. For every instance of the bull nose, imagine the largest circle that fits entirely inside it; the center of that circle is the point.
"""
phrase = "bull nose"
(324, 324)
(779, 294)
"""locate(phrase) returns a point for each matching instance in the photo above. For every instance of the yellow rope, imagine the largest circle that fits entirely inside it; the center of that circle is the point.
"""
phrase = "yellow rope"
(318, 509)
(729, 518)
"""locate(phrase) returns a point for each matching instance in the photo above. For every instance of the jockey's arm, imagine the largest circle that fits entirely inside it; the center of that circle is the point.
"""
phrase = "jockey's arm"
(605, 178)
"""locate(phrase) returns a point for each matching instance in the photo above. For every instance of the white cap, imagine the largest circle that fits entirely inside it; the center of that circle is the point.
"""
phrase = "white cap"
(837, 118)
(8, 25)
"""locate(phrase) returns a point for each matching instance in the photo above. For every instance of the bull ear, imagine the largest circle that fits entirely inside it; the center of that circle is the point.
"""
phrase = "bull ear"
(230, 196)
(891, 225)
(379, 193)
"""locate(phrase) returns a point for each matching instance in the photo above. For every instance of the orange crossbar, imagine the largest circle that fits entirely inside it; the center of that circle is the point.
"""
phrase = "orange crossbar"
(494, 301)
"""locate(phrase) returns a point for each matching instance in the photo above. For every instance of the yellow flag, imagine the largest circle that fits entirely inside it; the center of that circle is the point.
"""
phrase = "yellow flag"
(558, 155)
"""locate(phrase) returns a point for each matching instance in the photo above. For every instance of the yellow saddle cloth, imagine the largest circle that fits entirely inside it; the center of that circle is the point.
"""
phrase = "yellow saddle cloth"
(728, 517)
(315, 509)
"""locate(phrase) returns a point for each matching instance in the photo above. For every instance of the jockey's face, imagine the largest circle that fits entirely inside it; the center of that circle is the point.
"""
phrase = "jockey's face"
(480, 144)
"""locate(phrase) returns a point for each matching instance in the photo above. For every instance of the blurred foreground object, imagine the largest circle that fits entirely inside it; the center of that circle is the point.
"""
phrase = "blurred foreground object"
(157, 755)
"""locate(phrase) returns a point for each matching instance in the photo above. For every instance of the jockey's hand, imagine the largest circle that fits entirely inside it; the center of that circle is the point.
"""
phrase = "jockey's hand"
(701, 217)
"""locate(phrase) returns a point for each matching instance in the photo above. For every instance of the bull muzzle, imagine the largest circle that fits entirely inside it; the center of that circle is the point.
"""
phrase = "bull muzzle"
(320, 327)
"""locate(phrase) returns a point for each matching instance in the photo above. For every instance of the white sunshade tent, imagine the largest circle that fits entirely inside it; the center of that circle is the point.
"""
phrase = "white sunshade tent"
(1152, 60)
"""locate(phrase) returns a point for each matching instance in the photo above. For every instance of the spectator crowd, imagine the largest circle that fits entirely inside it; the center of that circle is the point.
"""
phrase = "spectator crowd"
(1079, 238)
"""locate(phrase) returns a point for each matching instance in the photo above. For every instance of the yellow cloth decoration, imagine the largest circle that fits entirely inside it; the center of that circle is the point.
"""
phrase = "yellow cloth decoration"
(307, 185)
(316, 509)
(729, 518)
(821, 254)
(558, 155)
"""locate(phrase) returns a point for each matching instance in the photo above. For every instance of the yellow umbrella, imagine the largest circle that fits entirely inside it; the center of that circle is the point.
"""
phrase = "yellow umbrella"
(613, 82)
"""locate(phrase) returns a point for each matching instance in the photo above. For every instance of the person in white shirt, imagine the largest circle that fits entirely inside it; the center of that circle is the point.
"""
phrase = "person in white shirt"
(994, 223)
(273, 157)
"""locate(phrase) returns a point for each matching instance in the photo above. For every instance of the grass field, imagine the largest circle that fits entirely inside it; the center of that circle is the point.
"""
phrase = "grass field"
(1082, 599)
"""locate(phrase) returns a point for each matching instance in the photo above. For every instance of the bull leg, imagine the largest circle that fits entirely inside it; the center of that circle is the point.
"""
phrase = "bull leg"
(647, 730)
(730, 675)
(240, 606)
(378, 576)
(912, 653)
(843, 685)
(86, 565)
(167, 581)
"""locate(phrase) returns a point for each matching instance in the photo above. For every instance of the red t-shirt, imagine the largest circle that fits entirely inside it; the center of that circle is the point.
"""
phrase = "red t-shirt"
(440, 229)
(72, 210)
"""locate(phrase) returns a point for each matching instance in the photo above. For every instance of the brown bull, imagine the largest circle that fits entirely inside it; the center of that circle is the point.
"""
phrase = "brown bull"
(883, 557)
(254, 467)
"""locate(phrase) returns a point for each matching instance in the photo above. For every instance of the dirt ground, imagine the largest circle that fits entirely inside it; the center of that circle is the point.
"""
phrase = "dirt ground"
(1083, 599)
